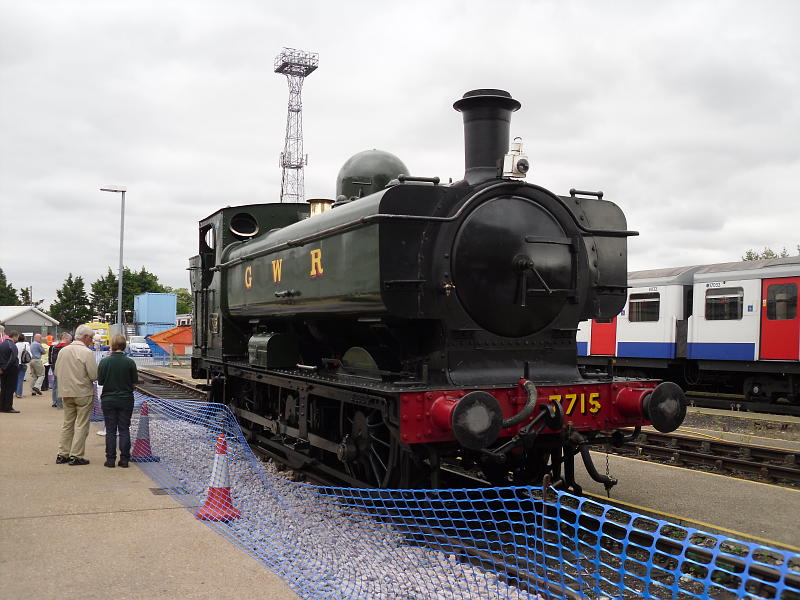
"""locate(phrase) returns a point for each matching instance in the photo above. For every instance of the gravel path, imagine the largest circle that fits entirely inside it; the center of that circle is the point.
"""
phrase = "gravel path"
(323, 541)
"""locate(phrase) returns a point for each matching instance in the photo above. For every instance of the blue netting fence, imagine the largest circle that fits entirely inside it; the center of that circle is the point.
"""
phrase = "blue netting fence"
(159, 358)
(510, 543)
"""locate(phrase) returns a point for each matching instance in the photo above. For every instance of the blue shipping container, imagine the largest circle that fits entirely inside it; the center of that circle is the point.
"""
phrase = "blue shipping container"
(152, 328)
(155, 308)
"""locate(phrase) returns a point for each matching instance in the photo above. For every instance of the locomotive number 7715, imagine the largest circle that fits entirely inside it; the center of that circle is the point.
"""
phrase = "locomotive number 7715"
(593, 405)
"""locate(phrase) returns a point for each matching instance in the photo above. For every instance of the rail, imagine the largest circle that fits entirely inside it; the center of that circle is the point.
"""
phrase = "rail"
(775, 464)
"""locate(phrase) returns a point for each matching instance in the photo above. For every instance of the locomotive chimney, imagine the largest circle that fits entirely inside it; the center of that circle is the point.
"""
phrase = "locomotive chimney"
(487, 118)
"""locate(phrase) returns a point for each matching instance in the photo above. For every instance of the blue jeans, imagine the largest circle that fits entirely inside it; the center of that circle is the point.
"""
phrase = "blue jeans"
(21, 378)
(56, 400)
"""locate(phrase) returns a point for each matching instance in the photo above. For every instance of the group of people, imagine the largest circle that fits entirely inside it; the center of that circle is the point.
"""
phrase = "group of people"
(75, 371)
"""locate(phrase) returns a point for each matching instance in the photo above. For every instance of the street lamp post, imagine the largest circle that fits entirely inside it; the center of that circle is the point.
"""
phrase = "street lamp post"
(120, 190)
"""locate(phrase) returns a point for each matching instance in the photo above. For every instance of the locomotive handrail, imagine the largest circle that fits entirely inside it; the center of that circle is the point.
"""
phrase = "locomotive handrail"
(301, 241)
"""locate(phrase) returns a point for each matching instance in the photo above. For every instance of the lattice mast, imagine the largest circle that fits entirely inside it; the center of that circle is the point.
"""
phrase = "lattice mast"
(296, 65)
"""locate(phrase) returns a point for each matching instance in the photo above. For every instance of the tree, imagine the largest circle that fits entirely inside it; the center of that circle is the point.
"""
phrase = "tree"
(185, 304)
(8, 295)
(184, 301)
(767, 252)
(104, 295)
(25, 297)
(72, 306)
(104, 290)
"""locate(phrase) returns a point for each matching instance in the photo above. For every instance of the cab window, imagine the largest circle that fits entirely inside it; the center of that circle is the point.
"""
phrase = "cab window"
(782, 301)
(724, 304)
(644, 307)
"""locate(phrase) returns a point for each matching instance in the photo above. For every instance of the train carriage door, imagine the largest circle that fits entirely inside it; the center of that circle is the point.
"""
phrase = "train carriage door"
(780, 319)
(604, 337)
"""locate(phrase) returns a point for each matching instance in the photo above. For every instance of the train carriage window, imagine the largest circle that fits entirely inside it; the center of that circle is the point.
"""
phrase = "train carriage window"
(644, 307)
(724, 304)
(782, 302)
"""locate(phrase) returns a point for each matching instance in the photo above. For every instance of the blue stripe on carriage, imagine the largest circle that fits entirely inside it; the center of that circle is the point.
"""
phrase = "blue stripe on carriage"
(646, 349)
(721, 351)
(583, 348)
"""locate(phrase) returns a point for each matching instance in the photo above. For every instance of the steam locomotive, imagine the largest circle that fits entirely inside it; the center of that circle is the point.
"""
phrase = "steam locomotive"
(411, 328)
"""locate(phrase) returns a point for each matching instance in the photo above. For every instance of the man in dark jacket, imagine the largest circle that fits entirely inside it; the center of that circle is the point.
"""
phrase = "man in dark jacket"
(117, 374)
(9, 370)
(52, 355)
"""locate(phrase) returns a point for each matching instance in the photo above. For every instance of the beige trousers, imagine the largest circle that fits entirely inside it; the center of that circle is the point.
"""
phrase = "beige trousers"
(37, 371)
(75, 429)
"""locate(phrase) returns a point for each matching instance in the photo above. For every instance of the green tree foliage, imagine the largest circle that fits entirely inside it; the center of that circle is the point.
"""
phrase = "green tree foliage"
(104, 290)
(767, 252)
(8, 295)
(185, 302)
(72, 306)
(25, 296)
(104, 294)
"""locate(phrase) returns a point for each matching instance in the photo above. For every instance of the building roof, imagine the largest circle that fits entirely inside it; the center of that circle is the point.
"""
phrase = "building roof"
(14, 313)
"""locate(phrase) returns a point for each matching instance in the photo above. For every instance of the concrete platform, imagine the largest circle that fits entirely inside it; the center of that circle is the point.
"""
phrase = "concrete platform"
(746, 510)
(92, 532)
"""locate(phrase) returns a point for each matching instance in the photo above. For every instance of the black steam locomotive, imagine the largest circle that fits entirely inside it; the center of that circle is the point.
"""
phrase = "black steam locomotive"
(409, 327)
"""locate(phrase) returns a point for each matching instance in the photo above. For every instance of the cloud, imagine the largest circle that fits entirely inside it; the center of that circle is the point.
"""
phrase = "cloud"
(683, 114)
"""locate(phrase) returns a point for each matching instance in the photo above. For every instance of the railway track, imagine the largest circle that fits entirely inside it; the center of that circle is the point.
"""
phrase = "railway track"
(773, 464)
(737, 402)
(167, 386)
(556, 543)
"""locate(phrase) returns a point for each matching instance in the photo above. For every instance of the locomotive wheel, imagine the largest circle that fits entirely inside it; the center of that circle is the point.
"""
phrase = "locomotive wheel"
(369, 451)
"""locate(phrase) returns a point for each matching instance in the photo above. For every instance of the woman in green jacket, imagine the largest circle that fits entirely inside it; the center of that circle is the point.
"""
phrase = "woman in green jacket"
(117, 374)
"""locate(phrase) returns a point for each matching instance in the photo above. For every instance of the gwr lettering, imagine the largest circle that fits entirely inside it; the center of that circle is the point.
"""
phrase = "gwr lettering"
(248, 277)
(316, 262)
(276, 270)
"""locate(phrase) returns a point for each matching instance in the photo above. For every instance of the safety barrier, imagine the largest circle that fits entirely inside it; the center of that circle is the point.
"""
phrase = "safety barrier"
(520, 542)
(156, 360)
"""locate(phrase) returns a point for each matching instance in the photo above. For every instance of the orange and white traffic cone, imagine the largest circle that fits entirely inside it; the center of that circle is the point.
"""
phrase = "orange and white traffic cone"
(219, 505)
(142, 452)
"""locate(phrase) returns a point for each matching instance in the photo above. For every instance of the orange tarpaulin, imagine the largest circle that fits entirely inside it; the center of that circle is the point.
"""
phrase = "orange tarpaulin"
(179, 337)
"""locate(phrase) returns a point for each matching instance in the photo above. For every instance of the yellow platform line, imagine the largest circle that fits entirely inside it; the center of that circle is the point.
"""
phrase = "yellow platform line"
(698, 472)
(696, 524)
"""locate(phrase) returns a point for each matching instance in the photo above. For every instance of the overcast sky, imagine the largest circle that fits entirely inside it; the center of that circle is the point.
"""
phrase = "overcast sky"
(686, 114)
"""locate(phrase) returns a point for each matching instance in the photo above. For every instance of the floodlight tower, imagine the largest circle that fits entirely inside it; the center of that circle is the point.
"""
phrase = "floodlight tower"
(296, 65)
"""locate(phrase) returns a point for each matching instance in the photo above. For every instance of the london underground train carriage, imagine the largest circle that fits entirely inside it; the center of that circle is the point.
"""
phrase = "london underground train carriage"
(650, 324)
(737, 322)
(415, 322)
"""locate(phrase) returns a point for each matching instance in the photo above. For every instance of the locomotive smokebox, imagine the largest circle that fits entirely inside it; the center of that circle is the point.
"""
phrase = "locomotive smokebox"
(487, 119)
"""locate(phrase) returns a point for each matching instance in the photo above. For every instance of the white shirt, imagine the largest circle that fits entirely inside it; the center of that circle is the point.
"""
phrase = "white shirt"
(20, 347)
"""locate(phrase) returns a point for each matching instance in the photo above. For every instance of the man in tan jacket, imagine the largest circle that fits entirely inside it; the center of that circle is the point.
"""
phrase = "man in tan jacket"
(76, 369)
